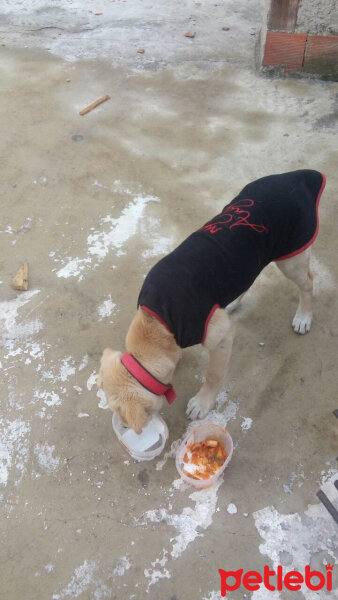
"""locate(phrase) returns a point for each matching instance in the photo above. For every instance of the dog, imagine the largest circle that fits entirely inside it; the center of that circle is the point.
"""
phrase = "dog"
(188, 295)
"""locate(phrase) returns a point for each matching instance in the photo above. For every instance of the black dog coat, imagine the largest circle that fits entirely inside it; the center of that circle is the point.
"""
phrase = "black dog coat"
(271, 219)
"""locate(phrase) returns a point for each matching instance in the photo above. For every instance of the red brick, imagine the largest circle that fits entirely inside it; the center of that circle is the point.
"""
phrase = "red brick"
(322, 46)
(321, 55)
(285, 49)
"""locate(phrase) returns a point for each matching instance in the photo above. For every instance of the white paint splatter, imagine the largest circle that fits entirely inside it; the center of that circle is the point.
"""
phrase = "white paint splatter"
(122, 565)
(264, 594)
(158, 244)
(188, 525)
(60, 373)
(66, 369)
(232, 508)
(91, 381)
(170, 454)
(100, 243)
(79, 583)
(326, 476)
(155, 575)
(14, 444)
(100, 393)
(34, 350)
(161, 561)
(191, 520)
(46, 460)
(13, 332)
(298, 535)
(213, 595)
(84, 362)
(88, 576)
(73, 267)
(49, 398)
(9, 230)
(103, 402)
(107, 308)
(122, 228)
(16, 352)
(246, 423)
(178, 484)
(49, 568)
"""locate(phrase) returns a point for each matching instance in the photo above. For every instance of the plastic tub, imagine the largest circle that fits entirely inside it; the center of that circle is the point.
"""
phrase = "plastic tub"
(198, 434)
(148, 444)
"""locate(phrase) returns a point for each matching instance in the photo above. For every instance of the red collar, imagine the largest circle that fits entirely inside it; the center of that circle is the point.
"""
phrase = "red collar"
(146, 379)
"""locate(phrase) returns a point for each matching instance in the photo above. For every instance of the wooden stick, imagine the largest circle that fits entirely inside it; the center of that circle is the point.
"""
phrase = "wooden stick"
(20, 281)
(94, 105)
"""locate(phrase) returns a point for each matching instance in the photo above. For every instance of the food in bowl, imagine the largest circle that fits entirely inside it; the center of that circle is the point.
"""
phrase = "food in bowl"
(203, 459)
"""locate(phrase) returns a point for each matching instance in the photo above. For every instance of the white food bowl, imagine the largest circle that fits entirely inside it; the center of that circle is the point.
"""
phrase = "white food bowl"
(146, 445)
(199, 434)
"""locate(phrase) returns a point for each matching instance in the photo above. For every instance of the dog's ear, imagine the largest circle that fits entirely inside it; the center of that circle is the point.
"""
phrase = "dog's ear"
(108, 373)
(134, 412)
(107, 356)
(127, 403)
(109, 361)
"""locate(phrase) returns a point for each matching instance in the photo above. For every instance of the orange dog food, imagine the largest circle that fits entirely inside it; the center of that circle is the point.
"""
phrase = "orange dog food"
(202, 460)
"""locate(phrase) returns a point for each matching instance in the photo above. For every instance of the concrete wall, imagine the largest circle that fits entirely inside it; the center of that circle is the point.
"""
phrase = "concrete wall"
(318, 16)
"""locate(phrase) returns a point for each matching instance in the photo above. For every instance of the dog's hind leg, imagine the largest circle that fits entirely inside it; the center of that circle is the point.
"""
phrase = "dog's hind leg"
(218, 341)
(235, 304)
(297, 269)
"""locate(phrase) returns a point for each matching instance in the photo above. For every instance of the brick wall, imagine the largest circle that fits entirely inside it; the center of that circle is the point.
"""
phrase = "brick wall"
(286, 47)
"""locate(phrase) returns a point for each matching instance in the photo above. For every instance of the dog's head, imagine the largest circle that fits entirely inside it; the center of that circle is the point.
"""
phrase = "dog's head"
(127, 398)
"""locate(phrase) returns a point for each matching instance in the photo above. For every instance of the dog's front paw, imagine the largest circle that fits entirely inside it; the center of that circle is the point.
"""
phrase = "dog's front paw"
(199, 406)
(302, 323)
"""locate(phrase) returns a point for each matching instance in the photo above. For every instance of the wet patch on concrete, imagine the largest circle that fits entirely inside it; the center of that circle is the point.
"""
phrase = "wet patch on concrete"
(143, 478)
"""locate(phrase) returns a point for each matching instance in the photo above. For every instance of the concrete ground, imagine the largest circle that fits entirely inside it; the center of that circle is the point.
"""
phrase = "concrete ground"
(91, 203)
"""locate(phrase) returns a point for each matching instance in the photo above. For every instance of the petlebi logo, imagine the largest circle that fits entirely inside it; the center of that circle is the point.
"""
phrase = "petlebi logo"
(276, 580)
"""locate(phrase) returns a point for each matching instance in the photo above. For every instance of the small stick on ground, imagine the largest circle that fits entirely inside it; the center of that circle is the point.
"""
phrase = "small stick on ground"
(86, 110)
(20, 281)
